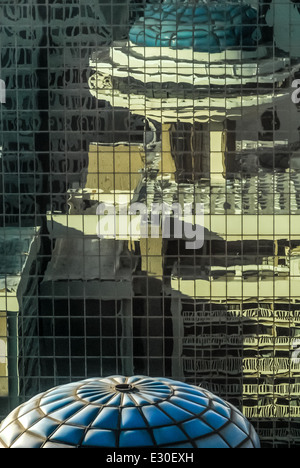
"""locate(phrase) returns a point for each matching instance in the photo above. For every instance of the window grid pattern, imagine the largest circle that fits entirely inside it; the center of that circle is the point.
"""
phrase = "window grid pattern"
(105, 103)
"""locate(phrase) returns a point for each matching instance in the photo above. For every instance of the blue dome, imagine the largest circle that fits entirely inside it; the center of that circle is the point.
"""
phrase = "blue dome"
(204, 26)
(121, 412)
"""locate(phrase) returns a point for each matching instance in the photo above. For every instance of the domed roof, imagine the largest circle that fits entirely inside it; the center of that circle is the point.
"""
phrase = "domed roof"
(122, 412)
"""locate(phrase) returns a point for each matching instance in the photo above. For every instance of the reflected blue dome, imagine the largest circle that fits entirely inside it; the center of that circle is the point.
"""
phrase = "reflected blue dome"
(203, 26)
(121, 412)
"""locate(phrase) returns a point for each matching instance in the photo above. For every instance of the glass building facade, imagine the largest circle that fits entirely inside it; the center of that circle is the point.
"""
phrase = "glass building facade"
(109, 108)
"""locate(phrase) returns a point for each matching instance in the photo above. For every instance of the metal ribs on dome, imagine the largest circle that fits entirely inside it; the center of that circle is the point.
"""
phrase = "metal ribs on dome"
(121, 412)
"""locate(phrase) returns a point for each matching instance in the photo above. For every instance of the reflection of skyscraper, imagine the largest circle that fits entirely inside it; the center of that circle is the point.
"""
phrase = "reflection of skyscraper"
(21, 177)
(19, 341)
